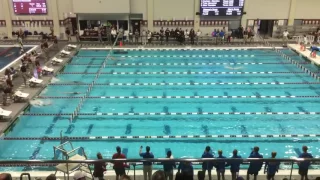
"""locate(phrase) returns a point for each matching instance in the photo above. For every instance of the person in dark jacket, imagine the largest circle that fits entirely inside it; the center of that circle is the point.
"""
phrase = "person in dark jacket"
(192, 35)
(235, 166)
(254, 167)
(221, 166)
(167, 32)
(207, 166)
(271, 167)
(99, 168)
(304, 166)
(186, 170)
(168, 167)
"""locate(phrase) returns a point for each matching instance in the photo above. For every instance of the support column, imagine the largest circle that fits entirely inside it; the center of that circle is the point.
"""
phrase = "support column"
(244, 18)
(55, 17)
(150, 14)
(7, 15)
(196, 18)
(292, 12)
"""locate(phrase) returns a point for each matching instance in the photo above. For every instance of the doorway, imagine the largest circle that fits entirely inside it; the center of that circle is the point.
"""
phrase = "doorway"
(266, 28)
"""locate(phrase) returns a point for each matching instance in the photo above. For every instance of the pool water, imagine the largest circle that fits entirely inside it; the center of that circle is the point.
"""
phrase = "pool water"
(140, 82)
(9, 54)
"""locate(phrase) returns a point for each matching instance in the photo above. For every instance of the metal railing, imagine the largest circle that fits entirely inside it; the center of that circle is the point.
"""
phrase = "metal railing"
(159, 161)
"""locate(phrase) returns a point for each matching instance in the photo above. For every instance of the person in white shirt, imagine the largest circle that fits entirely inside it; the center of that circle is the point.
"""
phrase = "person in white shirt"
(186, 35)
(198, 36)
(113, 35)
(285, 36)
(305, 40)
(144, 37)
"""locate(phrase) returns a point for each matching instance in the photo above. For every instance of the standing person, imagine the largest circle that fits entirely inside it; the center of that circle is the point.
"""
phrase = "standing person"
(46, 49)
(207, 166)
(221, 166)
(167, 32)
(137, 35)
(168, 167)
(192, 35)
(221, 35)
(304, 166)
(99, 168)
(130, 37)
(77, 36)
(68, 33)
(186, 170)
(245, 36)
(113, 35)
(144, 37)
(240, 31)
(235, 166)
(24, 73)
(147, 166)
(254, 167)
(149, 36)
(119, 166)
(186, 35)
(285, 36)
(198, 36)
(271, 167)
(99, 35)
(55, 42)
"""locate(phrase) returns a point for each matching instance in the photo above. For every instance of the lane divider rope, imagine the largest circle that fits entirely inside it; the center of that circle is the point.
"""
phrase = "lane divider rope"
(172, 113)
(163, 137)
(175, 97)
(189, 72)
(184, 84)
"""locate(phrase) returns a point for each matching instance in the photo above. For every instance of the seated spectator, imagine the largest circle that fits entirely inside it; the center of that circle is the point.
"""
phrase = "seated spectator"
(271, 167)
(158, 175)
(254, 167)
(186, 170)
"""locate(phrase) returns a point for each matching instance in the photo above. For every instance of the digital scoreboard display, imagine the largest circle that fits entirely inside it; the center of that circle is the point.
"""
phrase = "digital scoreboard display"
(29, 7)
(221, 7)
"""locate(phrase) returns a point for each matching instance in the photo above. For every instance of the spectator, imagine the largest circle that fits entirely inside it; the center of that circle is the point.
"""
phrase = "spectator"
(147, 166)
(55, 42)
(24, 73)
(168, 167)
(240, 31)
(99, 168)
(99, 34)
(186, 35)
(254, 167)
(119, 166)
(304, 166)
(285, 36)
(221, 35)
(5, 176)
(271, 167)
(79, 175)
(77, 36)
(221, 166)
(198, 36)
(235, 166)
(192, 34)
(113, 35)
(149, 36)
(207, 166)
(186, 170)
(51, 177)
(144, 37)
(167, 32)
(68, 33)
(161, 35)
(158, 175)
(130, 36)
(245, 36)
(172, 33)
(137, 35)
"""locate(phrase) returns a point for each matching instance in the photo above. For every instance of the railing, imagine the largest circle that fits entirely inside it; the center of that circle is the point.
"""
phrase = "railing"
(159, 161)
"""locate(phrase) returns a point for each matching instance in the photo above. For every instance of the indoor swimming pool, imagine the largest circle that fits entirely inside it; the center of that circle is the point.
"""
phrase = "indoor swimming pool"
(181, 100)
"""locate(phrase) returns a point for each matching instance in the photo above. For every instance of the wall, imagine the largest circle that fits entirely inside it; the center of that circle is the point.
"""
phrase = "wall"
(101, 6)
(139, 7)
(1, 11)
(178, 9)
(64, 8)
(268, 9)
(307, 9)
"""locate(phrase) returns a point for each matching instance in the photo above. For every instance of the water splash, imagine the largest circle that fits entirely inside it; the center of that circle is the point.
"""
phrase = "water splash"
(54, 80)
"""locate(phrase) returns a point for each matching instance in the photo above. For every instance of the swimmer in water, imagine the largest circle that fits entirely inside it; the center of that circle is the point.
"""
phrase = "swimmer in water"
(40, 103)
(233, 68)
(10, 54)
(72, 93)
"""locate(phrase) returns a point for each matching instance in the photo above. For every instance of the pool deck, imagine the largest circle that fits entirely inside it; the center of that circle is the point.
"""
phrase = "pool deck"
(306, 53)
(110, 175)
(17, 108)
